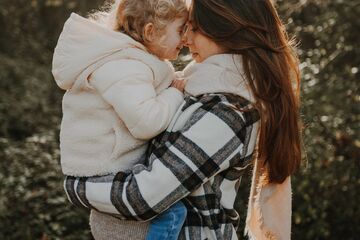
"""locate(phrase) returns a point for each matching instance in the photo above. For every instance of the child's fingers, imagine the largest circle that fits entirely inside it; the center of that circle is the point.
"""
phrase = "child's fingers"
(178, 80)
(183, 82)
(178, 84)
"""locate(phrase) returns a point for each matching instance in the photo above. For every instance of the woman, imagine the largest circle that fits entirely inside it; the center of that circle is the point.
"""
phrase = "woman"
(241, 98)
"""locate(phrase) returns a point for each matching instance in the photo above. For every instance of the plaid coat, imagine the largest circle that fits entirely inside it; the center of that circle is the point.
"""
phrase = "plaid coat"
(199, 159)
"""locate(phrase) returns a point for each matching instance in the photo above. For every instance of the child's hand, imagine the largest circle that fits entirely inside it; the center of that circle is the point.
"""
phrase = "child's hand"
(179, 84)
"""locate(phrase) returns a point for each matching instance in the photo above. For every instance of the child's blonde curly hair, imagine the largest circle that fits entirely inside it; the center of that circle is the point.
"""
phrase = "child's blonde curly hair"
(131, 16)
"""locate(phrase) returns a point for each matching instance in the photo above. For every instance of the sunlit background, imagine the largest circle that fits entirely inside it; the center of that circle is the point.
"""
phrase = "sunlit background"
(326, 194)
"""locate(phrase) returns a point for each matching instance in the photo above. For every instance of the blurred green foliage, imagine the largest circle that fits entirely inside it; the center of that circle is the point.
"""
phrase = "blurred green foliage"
(326, 192)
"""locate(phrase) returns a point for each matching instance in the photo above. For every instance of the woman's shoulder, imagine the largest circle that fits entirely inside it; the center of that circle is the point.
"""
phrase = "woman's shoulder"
(228, 99)
(229, 107)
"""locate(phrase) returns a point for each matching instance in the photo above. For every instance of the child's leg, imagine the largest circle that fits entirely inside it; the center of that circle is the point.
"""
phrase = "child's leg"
(168, 224)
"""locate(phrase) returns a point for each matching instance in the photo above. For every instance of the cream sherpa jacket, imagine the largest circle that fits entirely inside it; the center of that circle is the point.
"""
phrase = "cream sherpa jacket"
(117, 98)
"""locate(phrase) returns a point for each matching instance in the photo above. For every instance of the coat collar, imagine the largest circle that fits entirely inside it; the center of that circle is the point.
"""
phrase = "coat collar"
(218, 73)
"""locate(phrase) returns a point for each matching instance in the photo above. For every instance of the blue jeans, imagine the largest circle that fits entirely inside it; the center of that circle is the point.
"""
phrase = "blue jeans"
(168, 224)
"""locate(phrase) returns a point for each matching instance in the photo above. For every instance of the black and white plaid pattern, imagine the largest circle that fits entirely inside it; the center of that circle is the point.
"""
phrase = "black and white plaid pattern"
(200, 159)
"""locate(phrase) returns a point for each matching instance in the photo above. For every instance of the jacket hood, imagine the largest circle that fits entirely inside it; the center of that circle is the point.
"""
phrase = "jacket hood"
(82, 43)
(218, 73)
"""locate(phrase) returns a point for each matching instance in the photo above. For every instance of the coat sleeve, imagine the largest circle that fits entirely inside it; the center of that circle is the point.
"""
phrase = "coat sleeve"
(187, 159)
(127, 85)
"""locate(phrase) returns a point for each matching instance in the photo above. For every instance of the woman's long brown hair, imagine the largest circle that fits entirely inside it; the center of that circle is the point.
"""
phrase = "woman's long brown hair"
(253, 29)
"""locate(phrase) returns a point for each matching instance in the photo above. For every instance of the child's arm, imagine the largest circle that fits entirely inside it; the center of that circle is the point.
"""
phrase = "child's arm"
(127, 85)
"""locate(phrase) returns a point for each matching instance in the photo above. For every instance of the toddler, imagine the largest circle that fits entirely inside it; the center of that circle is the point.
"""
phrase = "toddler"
(120, 92)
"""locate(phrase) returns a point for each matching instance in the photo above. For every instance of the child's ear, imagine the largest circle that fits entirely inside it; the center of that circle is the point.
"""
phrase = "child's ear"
(149, 32)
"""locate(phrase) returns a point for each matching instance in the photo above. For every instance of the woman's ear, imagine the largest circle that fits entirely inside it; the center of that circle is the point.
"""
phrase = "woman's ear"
(149, 32)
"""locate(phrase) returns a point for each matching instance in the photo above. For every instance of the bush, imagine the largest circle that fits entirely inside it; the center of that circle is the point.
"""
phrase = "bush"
(325, 193)
(33, 204)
